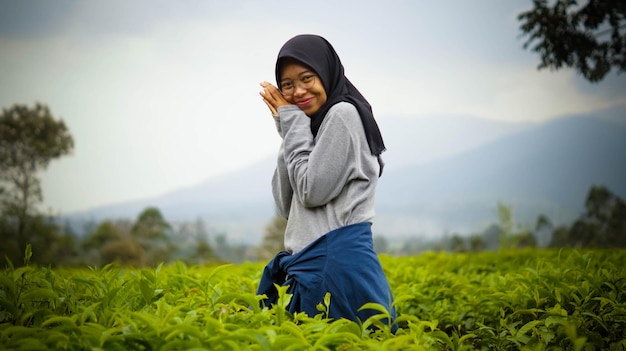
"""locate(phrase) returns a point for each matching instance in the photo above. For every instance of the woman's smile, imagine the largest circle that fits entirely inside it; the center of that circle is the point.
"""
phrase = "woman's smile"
(303, 103)
(309, 98)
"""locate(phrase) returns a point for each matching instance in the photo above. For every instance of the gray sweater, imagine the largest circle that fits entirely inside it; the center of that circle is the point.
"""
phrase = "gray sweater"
(324, 183)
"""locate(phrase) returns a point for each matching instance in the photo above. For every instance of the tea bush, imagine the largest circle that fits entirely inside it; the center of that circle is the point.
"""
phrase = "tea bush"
(527, 299)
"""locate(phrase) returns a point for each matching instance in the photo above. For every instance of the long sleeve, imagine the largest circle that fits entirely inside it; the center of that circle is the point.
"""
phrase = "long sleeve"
(325, 182)
(281, 188)
(319, 169)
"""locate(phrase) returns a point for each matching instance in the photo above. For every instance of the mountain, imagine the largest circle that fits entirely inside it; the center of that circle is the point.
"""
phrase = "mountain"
(416, 140)
(238, 203)
(547, 169)
(444, 174)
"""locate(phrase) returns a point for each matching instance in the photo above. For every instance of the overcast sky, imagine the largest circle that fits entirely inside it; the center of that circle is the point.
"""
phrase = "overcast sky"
(160, 95)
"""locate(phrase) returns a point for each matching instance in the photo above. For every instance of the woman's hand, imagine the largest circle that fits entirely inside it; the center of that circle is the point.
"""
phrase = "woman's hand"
(272, 97)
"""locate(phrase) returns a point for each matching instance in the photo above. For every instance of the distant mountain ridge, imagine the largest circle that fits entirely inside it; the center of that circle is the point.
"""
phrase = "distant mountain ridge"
(547, 169)
(453, 183)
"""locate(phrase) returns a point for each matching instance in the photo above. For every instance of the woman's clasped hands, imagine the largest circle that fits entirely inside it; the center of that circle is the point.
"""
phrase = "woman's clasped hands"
(272, 97)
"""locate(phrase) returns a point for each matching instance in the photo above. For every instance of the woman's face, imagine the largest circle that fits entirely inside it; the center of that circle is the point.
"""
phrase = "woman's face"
(309, 97)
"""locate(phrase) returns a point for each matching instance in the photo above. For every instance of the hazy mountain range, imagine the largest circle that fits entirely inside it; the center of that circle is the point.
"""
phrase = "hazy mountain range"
(443, 175)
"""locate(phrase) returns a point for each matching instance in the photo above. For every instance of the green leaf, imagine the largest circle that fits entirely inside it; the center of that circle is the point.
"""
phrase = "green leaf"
(327, 299)
(375, 306)
(9, 306)
(283, 297)
(557, 310)
(444, 338)
(89, 313)
(148, 276)
(252, 300)
(467, 336)
(527, 327)
(39, 294)
(553, 320)
(147, 290)
(182, 330)
(32, 344)
(28, 253)
(336, 339)
(62, 320)
(8, 286)
(19, 332)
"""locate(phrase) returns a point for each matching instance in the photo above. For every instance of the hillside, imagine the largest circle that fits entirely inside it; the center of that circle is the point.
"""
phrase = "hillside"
(545, 169)
(461, 169)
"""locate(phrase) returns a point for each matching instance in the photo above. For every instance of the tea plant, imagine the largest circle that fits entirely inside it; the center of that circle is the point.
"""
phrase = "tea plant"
(529, 300)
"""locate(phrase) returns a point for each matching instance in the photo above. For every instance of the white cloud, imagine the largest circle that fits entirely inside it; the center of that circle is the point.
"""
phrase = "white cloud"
(512, 92)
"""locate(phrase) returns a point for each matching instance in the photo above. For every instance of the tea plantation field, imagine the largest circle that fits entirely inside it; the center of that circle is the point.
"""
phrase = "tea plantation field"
(510, 300)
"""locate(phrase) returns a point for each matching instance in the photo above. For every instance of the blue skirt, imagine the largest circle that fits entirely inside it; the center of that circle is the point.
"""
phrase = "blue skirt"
(342, 262)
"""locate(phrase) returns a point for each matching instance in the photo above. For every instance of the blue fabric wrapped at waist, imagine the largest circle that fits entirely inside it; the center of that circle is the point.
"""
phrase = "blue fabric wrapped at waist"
(342, 262)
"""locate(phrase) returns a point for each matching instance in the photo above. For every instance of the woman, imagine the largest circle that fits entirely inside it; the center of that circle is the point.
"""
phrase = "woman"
(324, 184)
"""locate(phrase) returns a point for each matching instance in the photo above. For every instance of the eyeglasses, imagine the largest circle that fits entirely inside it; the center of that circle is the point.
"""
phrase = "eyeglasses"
(305, 81)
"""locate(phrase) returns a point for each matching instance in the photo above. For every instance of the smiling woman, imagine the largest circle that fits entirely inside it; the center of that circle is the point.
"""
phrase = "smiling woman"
(324, 184)
(299, 86)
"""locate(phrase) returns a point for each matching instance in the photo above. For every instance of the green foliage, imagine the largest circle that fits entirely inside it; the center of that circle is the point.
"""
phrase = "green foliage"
(510, 237)
(506, 224)
(517, 299)
(111, 242)
(477, 243)
(51, 245)
(457, 244)
(145, 242)
(273, 238)
(105, 233)
(151, 232)
(522, 299)
(588, 37)
(30, 137)
(602, 225)
(150, 225)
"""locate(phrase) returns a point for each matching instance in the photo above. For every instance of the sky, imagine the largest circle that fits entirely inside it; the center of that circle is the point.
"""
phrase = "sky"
(160, 95)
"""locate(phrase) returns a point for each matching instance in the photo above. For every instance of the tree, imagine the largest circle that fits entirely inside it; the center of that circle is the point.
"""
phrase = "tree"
(203, 252)
(589, 38)
(457, 244)
(543, 229)
(105, 233)
(602, 225)
(273, 239)
(123, 251)
(381, 244)
(151, 225)
(492, 236)
(605, 218)
(506, 223)
(30, 137)
(523, 240)
(511, 237)
(49, 246)
(151, 231)
(477, 243)
(560, 237)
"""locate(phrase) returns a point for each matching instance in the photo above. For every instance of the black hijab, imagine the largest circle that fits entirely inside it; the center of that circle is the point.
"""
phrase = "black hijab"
(317, 53)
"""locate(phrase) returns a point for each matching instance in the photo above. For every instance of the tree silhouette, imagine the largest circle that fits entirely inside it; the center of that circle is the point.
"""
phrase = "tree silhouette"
(602, 225)
(273, 239)
(605, 218)
(589, 38)
(477, 243)
(30, 137)
(151, 232)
